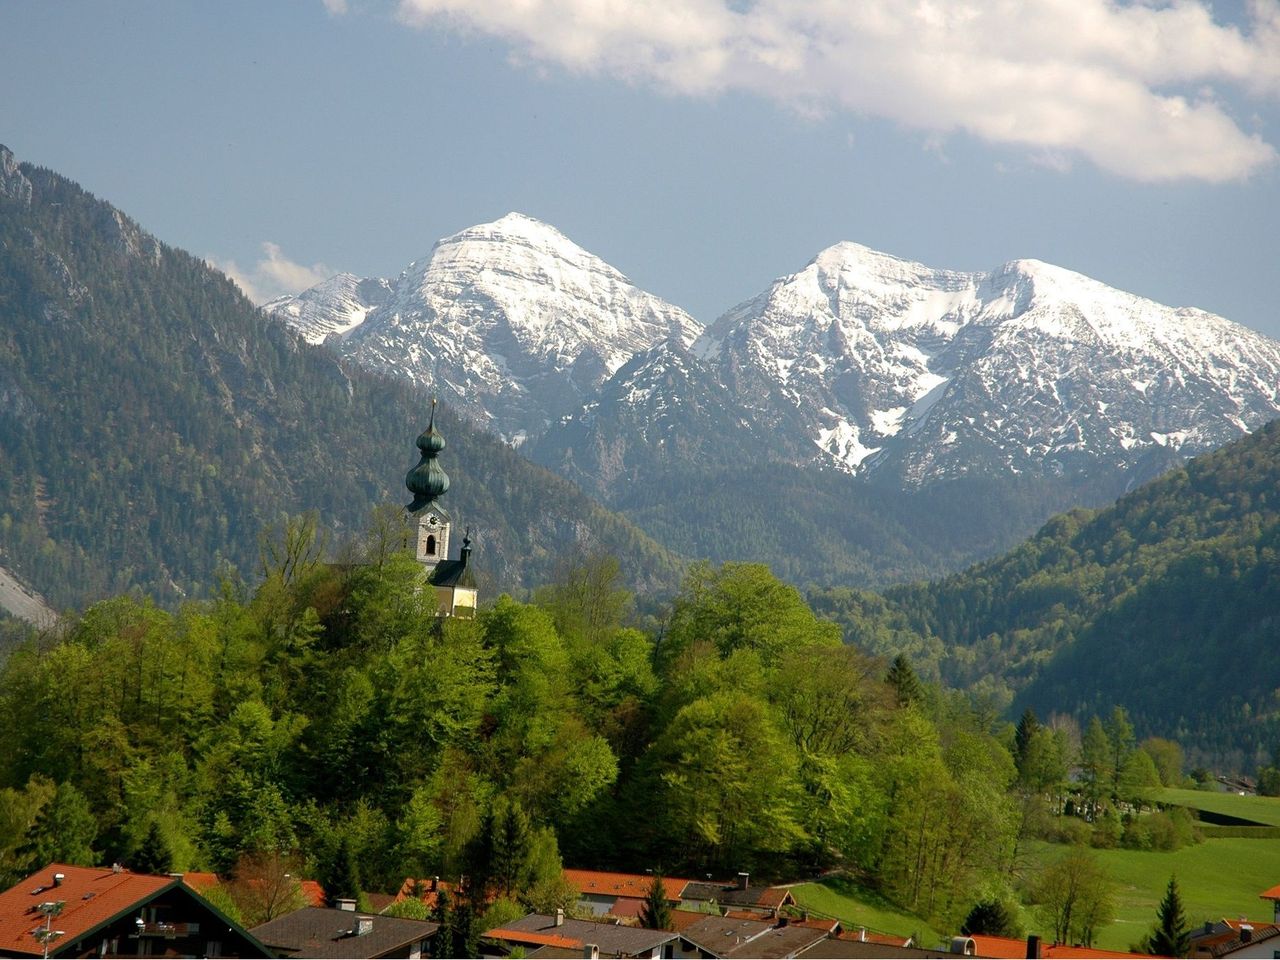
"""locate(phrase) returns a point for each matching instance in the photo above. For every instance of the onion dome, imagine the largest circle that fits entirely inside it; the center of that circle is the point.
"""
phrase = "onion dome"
(427, 480)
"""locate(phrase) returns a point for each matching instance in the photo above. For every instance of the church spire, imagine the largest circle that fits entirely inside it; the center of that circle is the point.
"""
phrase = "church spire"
(427, 480)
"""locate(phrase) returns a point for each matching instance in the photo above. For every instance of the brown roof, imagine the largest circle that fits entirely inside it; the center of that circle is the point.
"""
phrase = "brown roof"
(732, 894)
(91, 897)
(538, 929)
(718, 935)
(601, 883)
(1272, 894)
(322, 932)
(841, 949)
(1258, 934)
(778, 943)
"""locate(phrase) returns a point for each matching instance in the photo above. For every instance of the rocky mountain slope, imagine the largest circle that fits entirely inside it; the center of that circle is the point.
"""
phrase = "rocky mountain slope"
(927, 374)
(510, 321)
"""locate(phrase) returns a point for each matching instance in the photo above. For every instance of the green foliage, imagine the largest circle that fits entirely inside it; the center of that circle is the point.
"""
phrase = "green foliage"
(328, 724)
(1184, 565)
(1074, 897)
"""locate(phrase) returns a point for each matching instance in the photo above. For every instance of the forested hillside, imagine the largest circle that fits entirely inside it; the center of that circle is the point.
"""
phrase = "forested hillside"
(1165, 603)
(329, 718)
(153, 424)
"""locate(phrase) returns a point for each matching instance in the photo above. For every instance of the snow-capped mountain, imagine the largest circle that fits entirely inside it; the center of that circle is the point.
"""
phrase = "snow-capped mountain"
(899, 368)
(861, 360)
(510, 320)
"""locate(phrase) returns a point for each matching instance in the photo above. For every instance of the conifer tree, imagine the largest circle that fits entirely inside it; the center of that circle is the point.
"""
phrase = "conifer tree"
(906, 685)
(154, 855)
(655, 912)
(1171, 936)
(1028, 724)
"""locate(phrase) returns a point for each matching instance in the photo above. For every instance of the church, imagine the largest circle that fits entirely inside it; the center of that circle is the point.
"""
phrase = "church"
(453, 581)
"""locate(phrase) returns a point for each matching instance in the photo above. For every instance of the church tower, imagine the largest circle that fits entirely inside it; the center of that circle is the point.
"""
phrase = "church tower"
(455, 586)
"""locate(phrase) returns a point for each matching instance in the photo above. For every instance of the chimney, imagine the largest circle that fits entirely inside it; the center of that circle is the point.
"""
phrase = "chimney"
(1208, 927)
(1246, 933)
(862, 935)
(344, 904)
(590, 951)
(1033, 947)
(58, 878)
(744, 880)
(435, 883)
(559, 916)
(364, 925)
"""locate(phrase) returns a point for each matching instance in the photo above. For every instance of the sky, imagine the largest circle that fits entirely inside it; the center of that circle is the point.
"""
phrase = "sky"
(703, 147)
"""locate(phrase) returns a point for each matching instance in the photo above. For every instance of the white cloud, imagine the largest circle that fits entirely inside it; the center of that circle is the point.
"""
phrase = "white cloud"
(273, 275)
(1129, 87)
(336, 8)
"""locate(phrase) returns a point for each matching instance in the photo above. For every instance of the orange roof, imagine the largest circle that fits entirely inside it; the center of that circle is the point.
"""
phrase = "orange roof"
(1009, 948)
(742, 914)
(600, 883)
(532, 937)
(1272, 894)
(683, 919)
(91, 896)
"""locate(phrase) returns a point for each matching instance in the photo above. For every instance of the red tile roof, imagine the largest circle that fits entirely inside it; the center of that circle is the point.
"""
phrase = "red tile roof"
(600, 883)
(1272, 894)
(533, 937)
(814, 923)
(91, 896)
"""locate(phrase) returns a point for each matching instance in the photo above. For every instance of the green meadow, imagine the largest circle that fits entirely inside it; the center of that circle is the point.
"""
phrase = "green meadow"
(856, 906)
(1258, 809)
(1218, 878)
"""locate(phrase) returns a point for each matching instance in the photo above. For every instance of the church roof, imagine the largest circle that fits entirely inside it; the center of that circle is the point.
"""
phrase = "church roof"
(427, 481)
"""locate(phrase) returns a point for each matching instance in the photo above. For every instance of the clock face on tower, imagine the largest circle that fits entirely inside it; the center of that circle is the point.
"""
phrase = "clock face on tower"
(433, 520)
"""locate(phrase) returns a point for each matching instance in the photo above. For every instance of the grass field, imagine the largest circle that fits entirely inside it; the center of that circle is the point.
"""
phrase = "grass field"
(856, 907)
(1259, 809)
(1217, 878)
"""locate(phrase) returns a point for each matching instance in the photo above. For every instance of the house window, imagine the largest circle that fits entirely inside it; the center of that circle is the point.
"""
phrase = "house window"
(213, 948)
(431, 545)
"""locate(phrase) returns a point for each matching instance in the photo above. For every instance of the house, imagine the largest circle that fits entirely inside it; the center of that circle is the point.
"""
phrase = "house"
(619, 894)
(763, 901)
(111, 912)
(565, 933)
(715, 936)
(1274, 896)
(324, 932)
(1245, 940)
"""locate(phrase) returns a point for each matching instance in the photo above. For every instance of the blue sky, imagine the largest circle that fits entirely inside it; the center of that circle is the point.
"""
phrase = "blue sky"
(703, 148)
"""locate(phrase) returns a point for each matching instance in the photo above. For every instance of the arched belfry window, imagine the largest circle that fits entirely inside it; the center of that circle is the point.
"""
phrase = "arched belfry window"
(431, 544)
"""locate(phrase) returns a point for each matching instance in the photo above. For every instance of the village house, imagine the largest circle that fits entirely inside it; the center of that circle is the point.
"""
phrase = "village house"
(321, 932)
(69, 911)
(556, 930)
